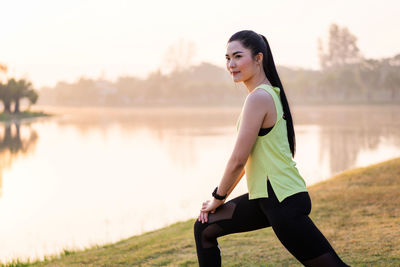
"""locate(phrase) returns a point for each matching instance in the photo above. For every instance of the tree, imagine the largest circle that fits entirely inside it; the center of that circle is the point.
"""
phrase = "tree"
(5, 97)
(19, 90)
(14, 91)
(342, 48)
(3, 90)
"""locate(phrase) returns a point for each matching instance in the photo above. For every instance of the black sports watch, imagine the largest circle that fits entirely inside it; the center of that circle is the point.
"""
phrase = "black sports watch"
(214, 194)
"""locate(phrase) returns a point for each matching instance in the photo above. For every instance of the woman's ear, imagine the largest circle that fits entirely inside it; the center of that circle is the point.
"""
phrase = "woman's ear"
(259, 58)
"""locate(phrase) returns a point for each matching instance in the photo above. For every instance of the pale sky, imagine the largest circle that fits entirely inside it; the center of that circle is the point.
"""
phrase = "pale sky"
(48, 41)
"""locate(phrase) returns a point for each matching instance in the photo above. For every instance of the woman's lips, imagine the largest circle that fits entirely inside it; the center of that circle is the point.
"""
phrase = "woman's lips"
(235, 72)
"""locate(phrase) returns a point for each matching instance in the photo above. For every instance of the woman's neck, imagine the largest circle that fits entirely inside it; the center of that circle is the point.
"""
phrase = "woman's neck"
(253, 82)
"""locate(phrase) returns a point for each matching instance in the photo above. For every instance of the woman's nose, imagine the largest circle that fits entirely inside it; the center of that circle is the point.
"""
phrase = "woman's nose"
(231, 63)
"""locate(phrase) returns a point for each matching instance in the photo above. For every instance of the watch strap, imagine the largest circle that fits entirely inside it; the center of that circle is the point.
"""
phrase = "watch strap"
(214, 194)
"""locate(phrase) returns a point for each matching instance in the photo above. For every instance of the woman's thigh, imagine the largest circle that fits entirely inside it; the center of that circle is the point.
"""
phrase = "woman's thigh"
(239, 215)
(293, 227)
(235, 216)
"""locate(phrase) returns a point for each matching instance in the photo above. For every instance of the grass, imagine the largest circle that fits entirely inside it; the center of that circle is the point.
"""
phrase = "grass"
(22, 115)
(357, 210)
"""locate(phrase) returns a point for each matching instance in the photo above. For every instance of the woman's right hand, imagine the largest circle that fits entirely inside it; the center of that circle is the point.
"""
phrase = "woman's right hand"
(203, 217)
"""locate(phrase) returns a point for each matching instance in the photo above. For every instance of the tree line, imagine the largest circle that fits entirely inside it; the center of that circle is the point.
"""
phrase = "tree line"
(366, 82)
(345, 77)
(369, 81)
(201, 84)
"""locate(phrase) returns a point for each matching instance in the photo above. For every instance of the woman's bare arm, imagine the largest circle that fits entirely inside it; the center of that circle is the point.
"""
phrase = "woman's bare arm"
(235, 183)
(254, 111)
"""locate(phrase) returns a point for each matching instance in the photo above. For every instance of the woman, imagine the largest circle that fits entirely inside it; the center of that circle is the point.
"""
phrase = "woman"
(264, 148)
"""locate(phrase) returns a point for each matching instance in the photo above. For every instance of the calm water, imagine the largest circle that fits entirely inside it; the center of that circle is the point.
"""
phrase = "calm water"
(93, 176)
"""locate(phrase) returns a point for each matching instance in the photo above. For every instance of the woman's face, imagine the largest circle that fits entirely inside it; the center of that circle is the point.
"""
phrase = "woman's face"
(240, 62)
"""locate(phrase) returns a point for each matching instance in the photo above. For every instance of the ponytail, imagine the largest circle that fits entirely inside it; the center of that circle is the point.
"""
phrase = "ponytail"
(273, 77)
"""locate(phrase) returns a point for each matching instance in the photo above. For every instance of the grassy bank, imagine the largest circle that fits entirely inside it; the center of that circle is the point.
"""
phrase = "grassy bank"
(357, 210)
(22, 115)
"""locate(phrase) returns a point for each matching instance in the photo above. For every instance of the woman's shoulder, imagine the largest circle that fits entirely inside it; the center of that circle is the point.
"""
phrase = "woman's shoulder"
(259, 96)
(260, 100)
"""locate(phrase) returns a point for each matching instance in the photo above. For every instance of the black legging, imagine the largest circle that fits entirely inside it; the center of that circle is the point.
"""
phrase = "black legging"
(289, 220)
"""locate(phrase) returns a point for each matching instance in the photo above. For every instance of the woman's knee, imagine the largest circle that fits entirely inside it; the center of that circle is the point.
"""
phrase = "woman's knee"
(198, 227)
(206, 234)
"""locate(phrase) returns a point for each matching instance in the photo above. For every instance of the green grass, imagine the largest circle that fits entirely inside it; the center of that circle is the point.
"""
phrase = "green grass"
(22, 115)
(357, 210)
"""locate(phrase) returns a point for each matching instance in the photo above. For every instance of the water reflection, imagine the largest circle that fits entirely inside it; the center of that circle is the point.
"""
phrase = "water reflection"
(13, 144)
(176, 129)
(345, 131)
(340, 135)
(342, 132)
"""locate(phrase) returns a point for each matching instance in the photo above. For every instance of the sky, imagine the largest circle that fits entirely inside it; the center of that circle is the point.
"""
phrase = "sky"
(47, 41)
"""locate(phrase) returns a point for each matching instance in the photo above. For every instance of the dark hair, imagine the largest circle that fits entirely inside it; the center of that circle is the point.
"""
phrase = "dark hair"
(258, 43)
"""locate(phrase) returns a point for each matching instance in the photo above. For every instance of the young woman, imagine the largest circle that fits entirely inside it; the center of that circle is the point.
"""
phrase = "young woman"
(264, 148)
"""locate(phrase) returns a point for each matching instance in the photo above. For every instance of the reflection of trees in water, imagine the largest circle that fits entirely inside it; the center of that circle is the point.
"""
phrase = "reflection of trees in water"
(345, 130)
(343, 146)
(202, 118)
(177, 129)
(14, 144)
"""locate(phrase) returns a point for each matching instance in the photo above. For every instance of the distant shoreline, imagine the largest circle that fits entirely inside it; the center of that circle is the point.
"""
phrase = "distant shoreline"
(221, 105)
(5, 117)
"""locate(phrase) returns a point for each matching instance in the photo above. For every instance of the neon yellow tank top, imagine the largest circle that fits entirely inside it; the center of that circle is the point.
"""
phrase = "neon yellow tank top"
(270, 158)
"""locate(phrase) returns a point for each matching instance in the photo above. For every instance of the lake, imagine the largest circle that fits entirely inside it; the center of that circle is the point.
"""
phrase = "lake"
(90, 176)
